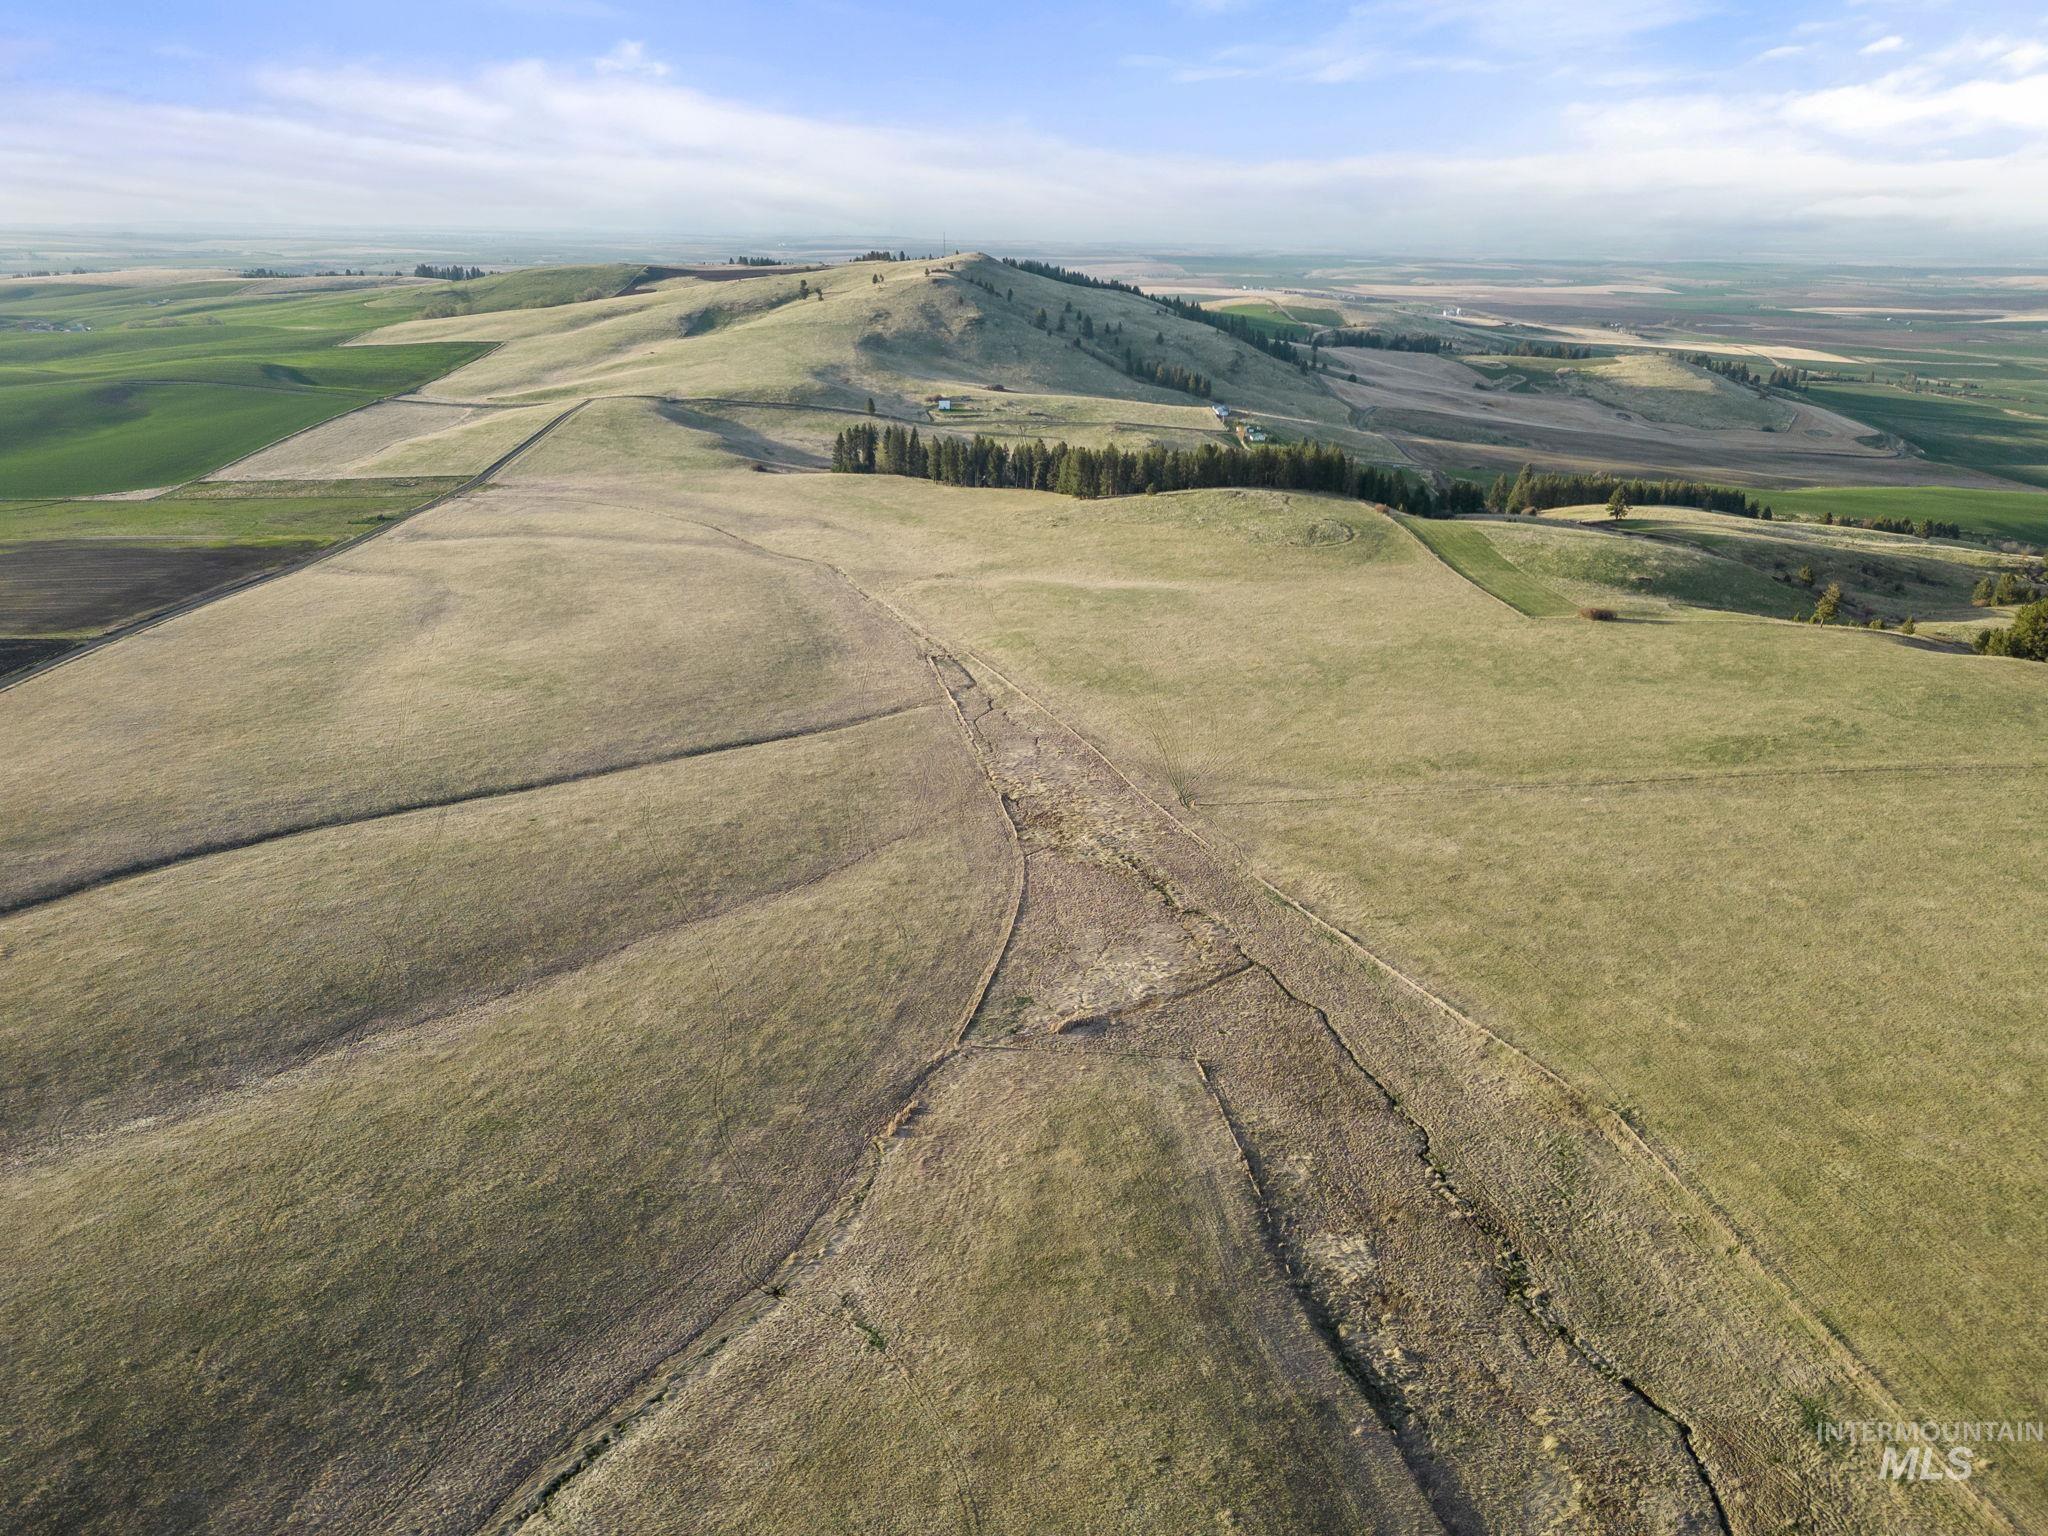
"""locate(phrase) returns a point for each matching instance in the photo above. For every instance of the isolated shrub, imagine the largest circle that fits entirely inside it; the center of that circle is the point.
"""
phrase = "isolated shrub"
(1829, 605)
(1910, 627)
(1804, 576)
(1599, 615)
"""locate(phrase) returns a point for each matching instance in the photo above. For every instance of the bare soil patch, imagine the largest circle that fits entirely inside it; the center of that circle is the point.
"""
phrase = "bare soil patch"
(67, 586)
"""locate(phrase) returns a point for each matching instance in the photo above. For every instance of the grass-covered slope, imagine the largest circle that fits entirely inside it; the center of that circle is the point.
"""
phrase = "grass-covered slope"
(432, 1006)
(983, 1354)
(1725, 877)
(532, 288)
(1471, 551)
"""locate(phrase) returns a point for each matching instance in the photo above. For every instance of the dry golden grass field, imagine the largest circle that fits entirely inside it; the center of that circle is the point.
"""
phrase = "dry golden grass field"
(677, 991)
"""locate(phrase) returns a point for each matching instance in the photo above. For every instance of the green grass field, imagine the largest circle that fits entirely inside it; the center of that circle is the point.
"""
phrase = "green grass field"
(2021, 515)
(1999, 438)
(170, 382)
(1467, 549)
(1267, 318)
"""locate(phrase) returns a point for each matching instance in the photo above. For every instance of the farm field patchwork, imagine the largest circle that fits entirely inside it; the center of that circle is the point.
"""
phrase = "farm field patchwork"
(72, 570)
(1997, 438)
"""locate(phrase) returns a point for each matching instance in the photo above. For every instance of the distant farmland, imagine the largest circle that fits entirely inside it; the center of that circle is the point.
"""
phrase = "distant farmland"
(163, 386)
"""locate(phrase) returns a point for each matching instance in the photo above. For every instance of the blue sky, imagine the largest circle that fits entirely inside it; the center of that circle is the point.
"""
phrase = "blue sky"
(1586, 127)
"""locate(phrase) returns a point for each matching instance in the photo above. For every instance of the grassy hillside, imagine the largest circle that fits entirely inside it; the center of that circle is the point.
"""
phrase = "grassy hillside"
(1469, 550)
(673, 991)
(533, 288)
(903, 334)
(1652, 386)
(976, 1349)
(1882, 575)
(1448, 780)
(426, 1173)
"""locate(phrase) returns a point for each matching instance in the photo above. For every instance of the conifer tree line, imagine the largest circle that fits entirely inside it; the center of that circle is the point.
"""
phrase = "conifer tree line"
(1166, 375)
(1534, 491)
(1925, 528)
(1078, 279)
(753, 261)
(1562, 351)
(2005, 590)
(1090, 472)
(1742, 373)
(1383, 341)
(449, 274)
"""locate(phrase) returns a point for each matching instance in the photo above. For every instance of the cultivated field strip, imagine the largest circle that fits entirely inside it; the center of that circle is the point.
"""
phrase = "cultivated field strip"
(332, 551)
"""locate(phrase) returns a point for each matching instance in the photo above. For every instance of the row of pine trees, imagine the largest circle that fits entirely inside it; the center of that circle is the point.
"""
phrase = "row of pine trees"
(1068, 470)
(1538, 491)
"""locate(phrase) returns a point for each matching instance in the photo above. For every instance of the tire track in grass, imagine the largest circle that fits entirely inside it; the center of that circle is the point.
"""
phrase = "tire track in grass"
(210, 849)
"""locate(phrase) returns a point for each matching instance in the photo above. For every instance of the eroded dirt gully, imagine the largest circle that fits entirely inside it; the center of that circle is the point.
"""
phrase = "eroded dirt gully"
(1130, 939)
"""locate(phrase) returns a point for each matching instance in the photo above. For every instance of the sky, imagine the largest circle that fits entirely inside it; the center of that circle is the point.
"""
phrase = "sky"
(1871, 130)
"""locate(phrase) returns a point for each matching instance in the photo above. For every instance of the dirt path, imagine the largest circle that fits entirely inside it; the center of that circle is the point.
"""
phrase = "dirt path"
(1124, 939)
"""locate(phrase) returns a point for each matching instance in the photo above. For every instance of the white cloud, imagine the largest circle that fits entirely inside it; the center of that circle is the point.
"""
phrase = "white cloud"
(630, 58)
(1906, 105)
(1891, 44)
(1378, 37)
(1880, 168)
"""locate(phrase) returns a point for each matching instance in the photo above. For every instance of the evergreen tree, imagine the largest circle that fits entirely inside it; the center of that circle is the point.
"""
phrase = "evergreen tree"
(2025, 637)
